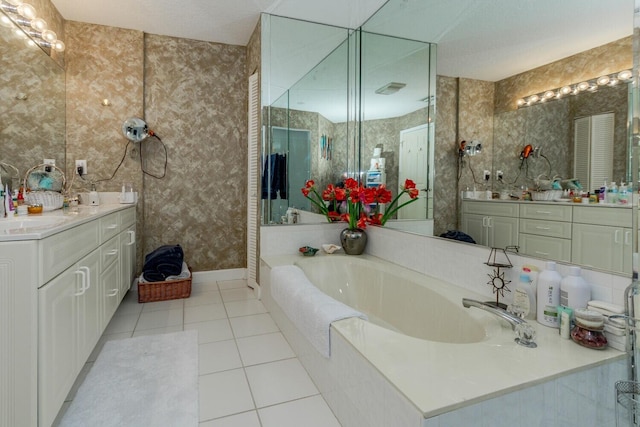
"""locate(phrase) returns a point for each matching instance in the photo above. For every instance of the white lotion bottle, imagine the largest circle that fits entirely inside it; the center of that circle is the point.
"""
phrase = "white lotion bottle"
(524, 296)
(549, 295)
(575, 292)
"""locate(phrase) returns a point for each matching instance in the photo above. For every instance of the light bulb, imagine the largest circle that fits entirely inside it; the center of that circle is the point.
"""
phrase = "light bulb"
(26, 10)
(614, 81)
(582, 86)
(603, 80)
(5, 21)
(49, 36)
(59, 46)
(565, 90)
(520, 102)
(533, 99)
(38, 24)
(625, 75)
(549, 94)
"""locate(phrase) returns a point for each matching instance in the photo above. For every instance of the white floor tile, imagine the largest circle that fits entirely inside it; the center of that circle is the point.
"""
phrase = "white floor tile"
(196, 288)
(264, 348)
(256, 324)
(124, 323)
(224, 393)
(211, 331)
(244, 308)
(203, 313)
(203, 298)
(230, 284)
(279, 382)
(218, 356)
(160, 319)
(157, 331)
(237, 294)
(246, 419)
(171, 304)
(309, 412)
(129, 306)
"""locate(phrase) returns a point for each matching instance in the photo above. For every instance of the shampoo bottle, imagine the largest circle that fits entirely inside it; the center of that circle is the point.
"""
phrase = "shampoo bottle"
(524, 296)
(575, 292)
(549, 295)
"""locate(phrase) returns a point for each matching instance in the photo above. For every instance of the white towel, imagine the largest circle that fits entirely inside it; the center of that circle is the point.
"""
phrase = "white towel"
(311, 310)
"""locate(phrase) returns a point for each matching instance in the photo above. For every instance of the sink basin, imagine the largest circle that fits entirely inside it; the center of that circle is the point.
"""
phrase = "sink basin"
(26, 225)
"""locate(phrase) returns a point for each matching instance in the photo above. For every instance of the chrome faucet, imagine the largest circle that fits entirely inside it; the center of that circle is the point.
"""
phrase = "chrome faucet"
(525, 332)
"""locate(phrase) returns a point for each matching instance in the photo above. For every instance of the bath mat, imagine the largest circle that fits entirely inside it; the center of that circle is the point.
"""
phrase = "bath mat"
(139, 382)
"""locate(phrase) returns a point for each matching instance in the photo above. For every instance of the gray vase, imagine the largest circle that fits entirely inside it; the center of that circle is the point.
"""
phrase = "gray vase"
(353, 241)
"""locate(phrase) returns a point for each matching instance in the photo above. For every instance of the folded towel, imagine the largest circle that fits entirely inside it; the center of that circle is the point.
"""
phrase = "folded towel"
(184, 274)
(163, 262)
(311, 310)
(613, 308)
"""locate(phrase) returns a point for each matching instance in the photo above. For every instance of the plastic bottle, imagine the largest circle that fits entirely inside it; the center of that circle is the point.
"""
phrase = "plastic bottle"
(575, 292)
(94, 199)
(602, 195)
(524, 295)
(612, 193)
(623, 194)
(548, 295)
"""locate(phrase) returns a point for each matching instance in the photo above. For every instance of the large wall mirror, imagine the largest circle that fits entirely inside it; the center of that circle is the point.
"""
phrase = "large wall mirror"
(32, 105)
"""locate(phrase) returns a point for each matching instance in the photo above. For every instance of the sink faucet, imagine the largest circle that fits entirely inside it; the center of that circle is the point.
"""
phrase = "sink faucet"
(525, 332)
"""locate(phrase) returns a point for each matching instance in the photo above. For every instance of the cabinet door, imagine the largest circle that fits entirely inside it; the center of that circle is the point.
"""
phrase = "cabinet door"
(503, 231)
(110, 280)
(89, 321)
(473, 225)
(128, 258)
(57, 336)
(598, 246)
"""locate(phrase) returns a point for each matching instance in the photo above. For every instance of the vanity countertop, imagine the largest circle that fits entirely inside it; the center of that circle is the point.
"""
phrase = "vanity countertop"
(563, 202)
(35, 227)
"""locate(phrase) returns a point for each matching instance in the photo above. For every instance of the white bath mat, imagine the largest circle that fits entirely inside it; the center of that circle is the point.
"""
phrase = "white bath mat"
(139, 382)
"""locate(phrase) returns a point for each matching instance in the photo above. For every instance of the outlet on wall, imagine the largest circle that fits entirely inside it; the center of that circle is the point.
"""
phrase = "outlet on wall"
(499, 175)
(487, 175)
(48, 162)
(81, 167)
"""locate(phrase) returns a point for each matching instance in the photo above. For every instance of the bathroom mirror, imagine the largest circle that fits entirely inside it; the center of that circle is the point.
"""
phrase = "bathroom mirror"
(135, 129)
(32, 106)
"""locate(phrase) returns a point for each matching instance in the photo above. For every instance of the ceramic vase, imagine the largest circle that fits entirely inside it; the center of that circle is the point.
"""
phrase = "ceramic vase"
(353, 241)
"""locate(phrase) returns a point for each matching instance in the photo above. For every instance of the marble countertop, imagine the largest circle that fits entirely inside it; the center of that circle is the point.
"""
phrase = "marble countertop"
(36, 227)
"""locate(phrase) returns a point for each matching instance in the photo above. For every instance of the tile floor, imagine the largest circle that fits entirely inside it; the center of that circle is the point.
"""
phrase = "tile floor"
(249, 376)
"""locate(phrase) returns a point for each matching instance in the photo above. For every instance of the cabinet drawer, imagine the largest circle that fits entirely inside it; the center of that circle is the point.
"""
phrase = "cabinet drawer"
(61, 250)
(546, 247)
(546, 228)
(110, 252)
(109, 226)
(546, 212)
(127, 217)
(600, 215)
(495, 208)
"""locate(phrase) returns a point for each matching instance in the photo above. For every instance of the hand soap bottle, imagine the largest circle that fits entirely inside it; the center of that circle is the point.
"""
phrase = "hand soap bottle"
(94, 199)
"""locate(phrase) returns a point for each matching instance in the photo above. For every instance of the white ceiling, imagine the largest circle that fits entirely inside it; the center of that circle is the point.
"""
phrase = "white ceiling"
(483, 39)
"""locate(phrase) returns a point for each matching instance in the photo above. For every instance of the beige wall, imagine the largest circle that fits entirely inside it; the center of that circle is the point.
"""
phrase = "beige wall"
(193, 95)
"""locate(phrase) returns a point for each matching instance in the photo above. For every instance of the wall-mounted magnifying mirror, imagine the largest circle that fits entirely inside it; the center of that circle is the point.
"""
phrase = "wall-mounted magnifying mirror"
(135, 129)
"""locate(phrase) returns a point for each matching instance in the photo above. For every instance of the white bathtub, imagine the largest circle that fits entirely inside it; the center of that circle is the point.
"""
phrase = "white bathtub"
(432, 352)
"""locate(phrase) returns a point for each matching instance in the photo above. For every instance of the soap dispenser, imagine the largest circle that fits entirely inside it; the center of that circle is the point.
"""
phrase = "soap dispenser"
(94, 199)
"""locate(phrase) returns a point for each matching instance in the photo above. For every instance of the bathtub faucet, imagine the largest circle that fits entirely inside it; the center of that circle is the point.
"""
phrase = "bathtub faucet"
(525, 332)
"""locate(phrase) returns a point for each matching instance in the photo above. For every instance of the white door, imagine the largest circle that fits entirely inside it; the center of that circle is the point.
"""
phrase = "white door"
(414, 165)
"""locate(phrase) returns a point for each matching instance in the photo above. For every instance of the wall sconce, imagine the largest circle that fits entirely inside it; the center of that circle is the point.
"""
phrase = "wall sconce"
(24, 16)
(576, 88)
(469, 148)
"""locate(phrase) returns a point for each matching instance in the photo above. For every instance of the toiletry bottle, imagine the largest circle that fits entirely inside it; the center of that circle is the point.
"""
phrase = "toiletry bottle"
(623, 194)
(575, 292)
(2, 211)
(612, 193)
(94, 199)
(548, 295)
(602, 195)
(524, 295)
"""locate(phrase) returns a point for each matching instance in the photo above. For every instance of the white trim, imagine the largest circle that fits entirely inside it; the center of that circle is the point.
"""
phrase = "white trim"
(200, 277)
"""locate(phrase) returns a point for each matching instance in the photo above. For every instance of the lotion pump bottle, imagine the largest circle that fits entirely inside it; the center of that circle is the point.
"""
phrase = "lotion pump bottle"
(548, 295)
(524, 295)
(94, 199)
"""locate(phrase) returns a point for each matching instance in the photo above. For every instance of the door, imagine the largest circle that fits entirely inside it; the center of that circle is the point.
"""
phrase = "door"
(414, 165)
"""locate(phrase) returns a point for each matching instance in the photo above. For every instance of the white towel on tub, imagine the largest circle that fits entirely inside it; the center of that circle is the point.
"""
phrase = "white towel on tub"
(310, 309)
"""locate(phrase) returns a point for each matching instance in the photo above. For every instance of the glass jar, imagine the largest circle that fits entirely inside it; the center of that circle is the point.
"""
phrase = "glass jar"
(588, 337)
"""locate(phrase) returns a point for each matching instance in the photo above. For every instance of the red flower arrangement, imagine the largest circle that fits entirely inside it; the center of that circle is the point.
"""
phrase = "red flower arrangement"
(362, 204)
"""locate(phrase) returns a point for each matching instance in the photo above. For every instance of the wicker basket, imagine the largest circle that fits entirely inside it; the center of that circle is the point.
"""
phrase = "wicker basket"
(164, 291)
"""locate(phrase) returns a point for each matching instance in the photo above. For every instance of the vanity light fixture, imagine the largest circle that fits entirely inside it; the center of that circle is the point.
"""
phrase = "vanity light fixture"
(24, 16)
(390, 88)
(574, 89)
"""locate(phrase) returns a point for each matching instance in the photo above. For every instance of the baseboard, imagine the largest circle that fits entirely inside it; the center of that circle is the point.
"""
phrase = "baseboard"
(200, 277)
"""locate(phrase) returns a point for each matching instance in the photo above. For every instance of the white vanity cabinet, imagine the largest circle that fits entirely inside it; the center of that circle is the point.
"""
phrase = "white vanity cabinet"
(545, 231)
(58, 291)
(492, 224)
(602, 238)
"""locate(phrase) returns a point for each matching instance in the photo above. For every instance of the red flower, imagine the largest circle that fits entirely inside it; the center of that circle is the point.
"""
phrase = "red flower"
(375, 219)
(305, 191)
(413, 192)
(382, 195)
(341, 194)
(350, 184)
(310, 183)
(362, 222)
(330, 193)
(408, 184)
(333, 216)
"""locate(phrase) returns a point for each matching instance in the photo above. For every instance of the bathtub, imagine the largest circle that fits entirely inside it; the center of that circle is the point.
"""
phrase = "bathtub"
(431, 356)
